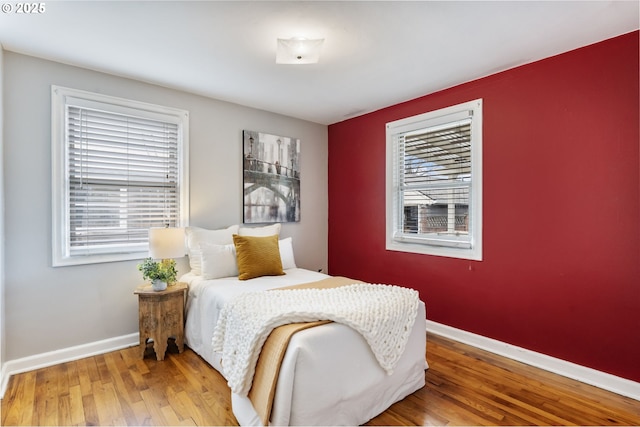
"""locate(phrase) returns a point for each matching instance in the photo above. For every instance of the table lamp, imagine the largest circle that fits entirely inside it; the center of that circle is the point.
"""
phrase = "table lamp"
(166, 243)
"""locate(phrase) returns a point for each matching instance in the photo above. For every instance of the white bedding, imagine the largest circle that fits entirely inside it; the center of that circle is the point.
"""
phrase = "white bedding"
(337, 379)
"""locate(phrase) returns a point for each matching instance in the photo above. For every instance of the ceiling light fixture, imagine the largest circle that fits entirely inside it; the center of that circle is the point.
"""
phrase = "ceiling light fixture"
(298, 50)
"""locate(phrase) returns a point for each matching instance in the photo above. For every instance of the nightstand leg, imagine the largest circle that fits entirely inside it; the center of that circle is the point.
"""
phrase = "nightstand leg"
(180, 343)
(160, 346)
(143, 345)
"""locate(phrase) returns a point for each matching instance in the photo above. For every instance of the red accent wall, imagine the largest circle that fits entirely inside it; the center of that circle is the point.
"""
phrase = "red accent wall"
(561, 267)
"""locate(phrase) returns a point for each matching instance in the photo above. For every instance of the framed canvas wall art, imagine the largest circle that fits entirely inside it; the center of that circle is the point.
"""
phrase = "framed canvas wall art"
(271, 178)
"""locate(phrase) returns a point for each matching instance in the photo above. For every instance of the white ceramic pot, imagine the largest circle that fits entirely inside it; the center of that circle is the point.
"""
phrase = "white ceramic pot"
(158, 285)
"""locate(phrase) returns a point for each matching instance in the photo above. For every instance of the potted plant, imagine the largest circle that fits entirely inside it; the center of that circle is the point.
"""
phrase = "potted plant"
(160, 273)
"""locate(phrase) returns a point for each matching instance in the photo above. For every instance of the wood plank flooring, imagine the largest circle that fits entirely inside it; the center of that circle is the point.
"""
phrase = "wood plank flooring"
(465, 386)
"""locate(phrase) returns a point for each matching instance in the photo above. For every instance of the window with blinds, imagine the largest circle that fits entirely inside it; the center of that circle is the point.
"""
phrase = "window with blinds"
(434, 174)
(120, 171)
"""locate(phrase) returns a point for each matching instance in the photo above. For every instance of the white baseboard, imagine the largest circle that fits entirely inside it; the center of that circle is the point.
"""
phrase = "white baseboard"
(43, 360)
(571, 370)
(4, 380)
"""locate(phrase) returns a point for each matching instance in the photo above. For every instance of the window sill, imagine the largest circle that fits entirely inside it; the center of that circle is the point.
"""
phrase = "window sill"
(474, 253)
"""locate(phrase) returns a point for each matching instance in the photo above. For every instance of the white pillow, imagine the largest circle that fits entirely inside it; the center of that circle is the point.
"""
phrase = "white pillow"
(267, 230)
(196, 236)
(286, 253)
(218, 261)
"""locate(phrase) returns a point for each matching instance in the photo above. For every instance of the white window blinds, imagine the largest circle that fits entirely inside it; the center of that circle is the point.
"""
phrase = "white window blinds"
(123, 175)
(434, 183)
(123, 179)
(433, 177)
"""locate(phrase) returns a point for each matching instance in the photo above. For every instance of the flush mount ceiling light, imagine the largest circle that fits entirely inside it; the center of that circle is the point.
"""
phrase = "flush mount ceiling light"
(298, 51)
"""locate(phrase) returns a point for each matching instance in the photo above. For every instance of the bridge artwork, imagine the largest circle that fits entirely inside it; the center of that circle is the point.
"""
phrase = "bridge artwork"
(271, 178)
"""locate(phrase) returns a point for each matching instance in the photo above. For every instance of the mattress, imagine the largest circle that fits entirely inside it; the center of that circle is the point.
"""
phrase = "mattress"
(329, 376)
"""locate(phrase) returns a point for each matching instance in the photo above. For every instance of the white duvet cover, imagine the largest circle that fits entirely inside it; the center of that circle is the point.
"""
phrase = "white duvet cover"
(329, 376)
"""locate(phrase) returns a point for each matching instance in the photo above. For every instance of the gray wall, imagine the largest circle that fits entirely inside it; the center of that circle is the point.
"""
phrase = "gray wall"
(55, 308)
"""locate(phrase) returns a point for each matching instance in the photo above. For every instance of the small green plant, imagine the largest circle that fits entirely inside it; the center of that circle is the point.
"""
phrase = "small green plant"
(164, 270)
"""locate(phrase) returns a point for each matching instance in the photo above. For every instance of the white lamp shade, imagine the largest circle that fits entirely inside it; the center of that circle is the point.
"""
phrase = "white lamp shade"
(298, 51)
(165, 243)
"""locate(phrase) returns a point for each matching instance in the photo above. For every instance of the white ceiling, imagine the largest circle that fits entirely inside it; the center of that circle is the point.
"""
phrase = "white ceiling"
(375, 53)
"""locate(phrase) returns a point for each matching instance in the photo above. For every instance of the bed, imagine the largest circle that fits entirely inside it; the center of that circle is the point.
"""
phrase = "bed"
(328, 375)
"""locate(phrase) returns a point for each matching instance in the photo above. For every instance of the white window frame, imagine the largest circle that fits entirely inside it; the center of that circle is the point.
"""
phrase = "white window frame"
(61, 98)
(396, 241)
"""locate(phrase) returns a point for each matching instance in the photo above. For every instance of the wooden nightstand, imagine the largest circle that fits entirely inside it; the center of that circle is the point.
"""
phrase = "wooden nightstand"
(161, 315)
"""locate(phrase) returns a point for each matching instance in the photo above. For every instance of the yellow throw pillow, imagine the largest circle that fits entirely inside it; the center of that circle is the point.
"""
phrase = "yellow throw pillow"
(257, 256)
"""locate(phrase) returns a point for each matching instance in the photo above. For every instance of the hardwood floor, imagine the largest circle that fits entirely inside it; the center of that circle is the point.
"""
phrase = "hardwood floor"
(465, 386)
(469, 386)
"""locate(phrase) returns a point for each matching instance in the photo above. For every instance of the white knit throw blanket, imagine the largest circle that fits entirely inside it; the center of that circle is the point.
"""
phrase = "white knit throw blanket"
(383, 314)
